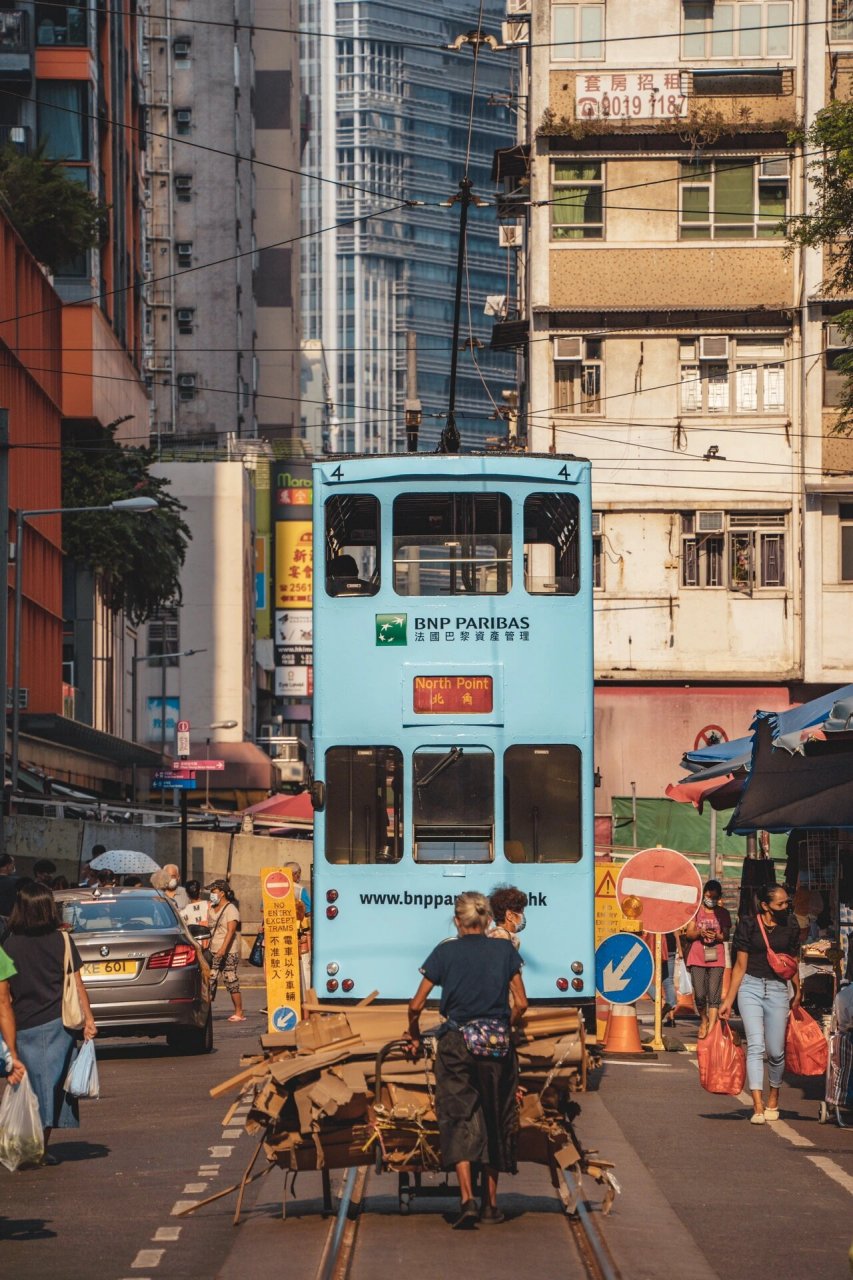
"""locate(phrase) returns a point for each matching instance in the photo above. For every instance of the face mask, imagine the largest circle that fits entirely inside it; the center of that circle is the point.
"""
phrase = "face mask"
(780, 915)
(522, 923)
(214, 899)
(709, 901)
(173, 884)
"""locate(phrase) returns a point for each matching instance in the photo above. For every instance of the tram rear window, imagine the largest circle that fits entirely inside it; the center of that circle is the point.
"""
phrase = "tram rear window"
(352, 545)
(364, 805)
(542, 804)
(551, 544)
(452, 544)
(453, 802)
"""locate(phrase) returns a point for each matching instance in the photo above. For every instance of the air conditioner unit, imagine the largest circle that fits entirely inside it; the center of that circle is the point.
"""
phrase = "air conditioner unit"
(185, 315)
(713, 347)
(147, 264)
(181, 48)
(568, 348)
(774, 167)
(835, 336)
(510, 235)
(515, 32)
(184, 115)
(596, 523)
(186, 380)
(184, 248)
(514, 7)
(166, 428)
(709, 522)
(183, 182)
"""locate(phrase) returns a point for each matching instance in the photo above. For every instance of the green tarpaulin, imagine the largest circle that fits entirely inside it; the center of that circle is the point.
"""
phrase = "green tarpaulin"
(678, 826)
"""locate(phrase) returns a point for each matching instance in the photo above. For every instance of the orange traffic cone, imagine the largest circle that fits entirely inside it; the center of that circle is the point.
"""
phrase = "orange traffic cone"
(622, 1037)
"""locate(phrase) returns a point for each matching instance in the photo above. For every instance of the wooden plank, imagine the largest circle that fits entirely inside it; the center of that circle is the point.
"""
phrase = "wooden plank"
(243, 1077)
(367, 1000)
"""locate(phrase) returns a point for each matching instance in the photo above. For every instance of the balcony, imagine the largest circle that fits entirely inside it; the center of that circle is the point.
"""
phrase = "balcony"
(16, 47)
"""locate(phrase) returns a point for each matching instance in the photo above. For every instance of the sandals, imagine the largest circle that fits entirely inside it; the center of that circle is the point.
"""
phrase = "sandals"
(237, 1017)
(771, 1113)
(758, 1117)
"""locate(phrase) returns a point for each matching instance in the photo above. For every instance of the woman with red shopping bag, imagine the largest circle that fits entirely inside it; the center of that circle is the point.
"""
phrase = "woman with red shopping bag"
(765, 949)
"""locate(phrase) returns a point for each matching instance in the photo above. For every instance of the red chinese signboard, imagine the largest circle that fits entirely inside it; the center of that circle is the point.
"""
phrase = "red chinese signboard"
(452, 695)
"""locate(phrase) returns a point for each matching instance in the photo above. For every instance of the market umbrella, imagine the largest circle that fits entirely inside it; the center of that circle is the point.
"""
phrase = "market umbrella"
(125, 862)
(811, 786)
(297, 808)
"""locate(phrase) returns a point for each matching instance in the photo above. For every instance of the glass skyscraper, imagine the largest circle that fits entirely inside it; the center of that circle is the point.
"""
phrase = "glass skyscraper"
(387, 110)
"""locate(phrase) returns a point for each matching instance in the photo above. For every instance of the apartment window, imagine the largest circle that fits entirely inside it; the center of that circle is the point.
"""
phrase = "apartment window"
(187, 386)
(184, 253)
(841, 19)
(744, 551)
(845, 524)
(739, 199)
(742, 30)
(185, 317)
(63, 123)
(183, 121)
(577, 375)
(59, 24)
(577, 32)
(183, 188)
(577, 200)
(164, 636)
(836, 365)
(182, 48)
(721, 375)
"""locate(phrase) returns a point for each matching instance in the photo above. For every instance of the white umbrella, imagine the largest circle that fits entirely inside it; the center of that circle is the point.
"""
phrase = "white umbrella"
(125, 862)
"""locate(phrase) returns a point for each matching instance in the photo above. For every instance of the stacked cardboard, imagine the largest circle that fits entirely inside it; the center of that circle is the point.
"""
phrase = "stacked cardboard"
(321, 1099)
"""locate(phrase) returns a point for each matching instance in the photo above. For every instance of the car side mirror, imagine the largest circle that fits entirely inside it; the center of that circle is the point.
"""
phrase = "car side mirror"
(318, 795)
(200, 932)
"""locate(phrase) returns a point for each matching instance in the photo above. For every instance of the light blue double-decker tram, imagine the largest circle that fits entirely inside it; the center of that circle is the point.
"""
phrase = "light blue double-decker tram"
(453, 712)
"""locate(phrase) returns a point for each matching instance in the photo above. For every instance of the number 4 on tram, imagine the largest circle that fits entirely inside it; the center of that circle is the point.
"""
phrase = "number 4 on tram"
(453, 712)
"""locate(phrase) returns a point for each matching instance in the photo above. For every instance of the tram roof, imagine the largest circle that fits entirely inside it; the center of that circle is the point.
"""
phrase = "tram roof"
(490, 454)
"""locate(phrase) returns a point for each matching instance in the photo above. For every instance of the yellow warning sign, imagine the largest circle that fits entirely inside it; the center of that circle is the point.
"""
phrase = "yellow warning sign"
(608, 917)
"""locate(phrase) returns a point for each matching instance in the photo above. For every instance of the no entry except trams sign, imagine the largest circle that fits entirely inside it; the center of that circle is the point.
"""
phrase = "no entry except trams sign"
(667, 884)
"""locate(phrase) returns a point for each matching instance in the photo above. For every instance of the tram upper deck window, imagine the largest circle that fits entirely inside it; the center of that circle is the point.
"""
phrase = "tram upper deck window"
(542, 805)
(453, 800)
(364, 805)
(352, 545)
(551, 544)
(452, 544)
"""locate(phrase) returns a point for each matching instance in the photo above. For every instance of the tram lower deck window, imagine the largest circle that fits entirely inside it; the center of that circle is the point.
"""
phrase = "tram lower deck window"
(352, 545)
(551, 544)
(453, 801)
(452, 544)
(542, 804)
(364, 805)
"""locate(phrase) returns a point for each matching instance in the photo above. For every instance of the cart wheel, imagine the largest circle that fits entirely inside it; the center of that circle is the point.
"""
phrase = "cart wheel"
(822, 1113)
(404, 1193)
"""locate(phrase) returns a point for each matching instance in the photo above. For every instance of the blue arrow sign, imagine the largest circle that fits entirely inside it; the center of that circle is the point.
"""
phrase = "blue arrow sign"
(174, 783)
(624, 968)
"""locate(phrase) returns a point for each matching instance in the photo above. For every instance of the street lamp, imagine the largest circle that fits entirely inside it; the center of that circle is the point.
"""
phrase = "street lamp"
(130, 506)
(218, 724)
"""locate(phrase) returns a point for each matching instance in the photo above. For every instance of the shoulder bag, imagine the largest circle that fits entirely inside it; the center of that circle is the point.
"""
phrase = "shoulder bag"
(72, 1009)
(780, 962)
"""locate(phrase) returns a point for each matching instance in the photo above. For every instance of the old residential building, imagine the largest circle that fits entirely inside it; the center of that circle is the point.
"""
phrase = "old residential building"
(675, 342)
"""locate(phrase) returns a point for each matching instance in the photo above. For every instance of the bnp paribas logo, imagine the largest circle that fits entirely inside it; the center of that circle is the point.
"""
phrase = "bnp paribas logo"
(391, 628)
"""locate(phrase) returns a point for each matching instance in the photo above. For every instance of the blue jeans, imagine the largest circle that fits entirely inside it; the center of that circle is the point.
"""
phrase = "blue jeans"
(764, 1006)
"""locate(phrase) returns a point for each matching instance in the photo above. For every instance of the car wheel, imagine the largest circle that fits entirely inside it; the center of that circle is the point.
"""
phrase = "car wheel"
(192, 1040)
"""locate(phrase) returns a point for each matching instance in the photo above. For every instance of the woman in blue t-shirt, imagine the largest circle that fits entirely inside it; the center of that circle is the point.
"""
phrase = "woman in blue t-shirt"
(475, 1097)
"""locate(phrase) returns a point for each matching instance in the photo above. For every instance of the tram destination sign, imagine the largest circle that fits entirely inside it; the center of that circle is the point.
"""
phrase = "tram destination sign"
(452, 695)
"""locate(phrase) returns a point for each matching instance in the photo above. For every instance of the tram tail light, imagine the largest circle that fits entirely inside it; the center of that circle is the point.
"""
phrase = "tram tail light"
(331, 895)
(347, 984)
(331, 912)
(562, 984)
(332, 984)
(577, 984)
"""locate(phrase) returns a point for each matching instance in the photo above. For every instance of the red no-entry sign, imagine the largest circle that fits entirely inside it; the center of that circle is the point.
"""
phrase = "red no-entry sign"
(667, 884)
(278, 884)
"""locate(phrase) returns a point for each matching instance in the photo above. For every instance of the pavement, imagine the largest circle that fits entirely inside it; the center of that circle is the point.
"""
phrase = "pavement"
(705, 1195)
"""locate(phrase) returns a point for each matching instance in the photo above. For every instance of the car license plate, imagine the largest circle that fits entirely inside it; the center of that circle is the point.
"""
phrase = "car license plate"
(109, 969)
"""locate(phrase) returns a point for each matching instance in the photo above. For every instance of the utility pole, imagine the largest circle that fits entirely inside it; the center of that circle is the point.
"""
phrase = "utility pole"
(412, 406)
(450, 439)
(4, 607)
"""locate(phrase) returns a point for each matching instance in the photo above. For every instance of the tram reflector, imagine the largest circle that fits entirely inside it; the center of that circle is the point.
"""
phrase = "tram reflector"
(332, 969)
(577, 967)
(332, 984)
(331, 912)
(331, 895)
(562, 984)
(347, 984)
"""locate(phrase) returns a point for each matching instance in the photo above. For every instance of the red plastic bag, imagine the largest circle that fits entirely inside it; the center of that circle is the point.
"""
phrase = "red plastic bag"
(806, 1048)
(722, 1063)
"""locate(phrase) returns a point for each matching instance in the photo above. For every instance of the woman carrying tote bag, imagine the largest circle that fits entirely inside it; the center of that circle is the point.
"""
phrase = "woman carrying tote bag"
(765, 947)
(43, 993)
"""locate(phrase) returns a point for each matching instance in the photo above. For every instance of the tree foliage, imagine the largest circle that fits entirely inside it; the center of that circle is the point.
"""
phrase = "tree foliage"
(828, 223)
(138, 558)
(55, 216)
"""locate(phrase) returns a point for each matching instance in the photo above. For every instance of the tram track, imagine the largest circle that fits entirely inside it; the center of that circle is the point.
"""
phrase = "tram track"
(342, 1241)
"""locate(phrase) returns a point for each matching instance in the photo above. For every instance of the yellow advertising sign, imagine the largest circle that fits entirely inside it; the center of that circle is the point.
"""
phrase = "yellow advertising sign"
(294, 566)
(608, 917)
(284, 996)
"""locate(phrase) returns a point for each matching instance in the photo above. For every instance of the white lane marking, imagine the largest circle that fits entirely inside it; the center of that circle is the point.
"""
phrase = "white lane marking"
(781, 1127)
(832, 1170)
(195, 1188)
(147, 1258)
(644, 1066)
(220, 1153)
(232, 1133)
(167, 1233)
(180, 1205)
(655, 889)
(208, 1170)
